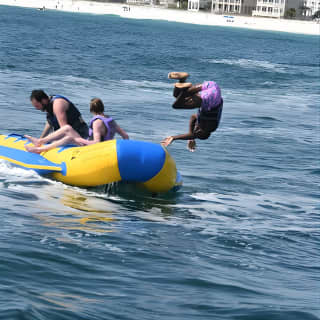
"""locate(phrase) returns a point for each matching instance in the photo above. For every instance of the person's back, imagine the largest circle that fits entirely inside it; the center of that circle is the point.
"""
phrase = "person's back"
(102, 127)
(108, 131)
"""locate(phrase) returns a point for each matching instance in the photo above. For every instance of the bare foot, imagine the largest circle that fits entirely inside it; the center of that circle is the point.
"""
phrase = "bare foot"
(33, 149)
(167, 141)
(192, 145)
(182, 76)
(184, 85)
(36, 142)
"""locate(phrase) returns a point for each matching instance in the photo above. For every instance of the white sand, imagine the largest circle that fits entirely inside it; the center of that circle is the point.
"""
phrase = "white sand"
(155, 13)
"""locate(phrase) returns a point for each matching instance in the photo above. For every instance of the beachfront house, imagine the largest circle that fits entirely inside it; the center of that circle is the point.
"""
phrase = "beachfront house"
(310, 7)
(168, 3)
(196, 5)
(243, 7)
(277, 8)
(139, 2)
(163, 3)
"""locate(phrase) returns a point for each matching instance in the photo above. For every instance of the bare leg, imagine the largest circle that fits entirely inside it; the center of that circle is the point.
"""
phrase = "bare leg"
(195, 89)
(66, 130)
(181, 87)
(56, 135)
(65, 140)
(33, 140)
(188, 87)
(187, 96)
(184, 101)
(181, 76)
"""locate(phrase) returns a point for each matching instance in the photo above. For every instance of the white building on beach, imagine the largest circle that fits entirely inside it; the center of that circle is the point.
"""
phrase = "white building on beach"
(223, 6)
(196, 5)
(233, 6)
(276, 8)
(311, 7)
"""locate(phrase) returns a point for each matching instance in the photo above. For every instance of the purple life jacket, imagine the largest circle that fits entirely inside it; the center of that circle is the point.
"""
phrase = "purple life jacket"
(109, 123)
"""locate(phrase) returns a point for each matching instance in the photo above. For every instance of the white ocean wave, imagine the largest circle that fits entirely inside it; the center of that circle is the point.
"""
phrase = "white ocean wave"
(147, 84)
(8, 169)
(264, 65)
(9, 75)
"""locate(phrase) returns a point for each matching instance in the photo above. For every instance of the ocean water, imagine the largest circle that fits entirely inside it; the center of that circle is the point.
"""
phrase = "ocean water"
(239, 241)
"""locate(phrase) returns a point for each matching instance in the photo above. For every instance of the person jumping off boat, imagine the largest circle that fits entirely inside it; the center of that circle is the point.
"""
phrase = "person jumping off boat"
(207, 97)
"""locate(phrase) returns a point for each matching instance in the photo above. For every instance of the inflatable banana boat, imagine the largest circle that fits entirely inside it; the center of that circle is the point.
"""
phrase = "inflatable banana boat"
(145, 163)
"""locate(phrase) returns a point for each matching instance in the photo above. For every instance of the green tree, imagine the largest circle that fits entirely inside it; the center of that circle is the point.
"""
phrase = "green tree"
(291, 13)
(184, 4)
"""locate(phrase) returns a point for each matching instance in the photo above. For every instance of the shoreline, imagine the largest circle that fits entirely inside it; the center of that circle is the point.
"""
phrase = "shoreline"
(172, 15)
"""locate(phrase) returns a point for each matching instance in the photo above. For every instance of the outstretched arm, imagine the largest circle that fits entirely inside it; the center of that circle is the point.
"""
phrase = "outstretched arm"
(122, 133)
(186, 136)
(46, 130)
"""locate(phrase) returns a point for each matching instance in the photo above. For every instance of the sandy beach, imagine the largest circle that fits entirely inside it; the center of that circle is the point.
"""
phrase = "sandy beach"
(182, 16)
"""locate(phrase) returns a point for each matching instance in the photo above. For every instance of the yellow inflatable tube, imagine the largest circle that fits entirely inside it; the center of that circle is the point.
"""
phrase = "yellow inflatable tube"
(140, 162)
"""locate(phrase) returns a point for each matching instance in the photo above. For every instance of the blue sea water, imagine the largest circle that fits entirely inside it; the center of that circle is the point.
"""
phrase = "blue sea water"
(239, 241)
